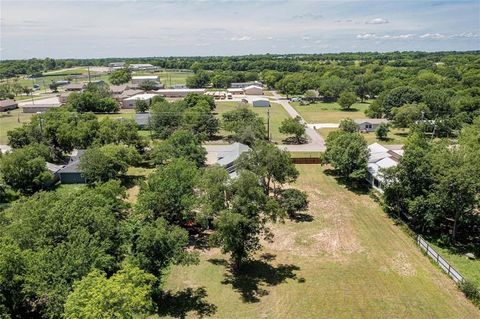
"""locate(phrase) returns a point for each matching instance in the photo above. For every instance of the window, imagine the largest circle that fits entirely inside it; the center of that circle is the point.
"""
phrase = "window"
(369, 126)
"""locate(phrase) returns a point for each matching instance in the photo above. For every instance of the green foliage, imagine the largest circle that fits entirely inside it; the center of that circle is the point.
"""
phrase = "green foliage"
(120, 76)
(409, 114)
(246, 125)
(348, 154)
(347, 99)
(270, 164)
(382, 131)
(89, 101)
(25, 169)
(332, 87)
(169, 192)
(141, 106)
(193, 99)
(125, 295)
(348, 125)
(471, 291)
(200, 120)
(119, 131)
(293, 200)
(100, 164)
(199, 80)
(166, 118)
(148, 85)
(213, 186)
(181, 144)
(293, 126)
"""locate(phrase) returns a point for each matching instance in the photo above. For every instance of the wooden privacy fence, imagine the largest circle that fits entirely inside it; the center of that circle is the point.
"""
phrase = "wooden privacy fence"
(452, 272)
(306, 160)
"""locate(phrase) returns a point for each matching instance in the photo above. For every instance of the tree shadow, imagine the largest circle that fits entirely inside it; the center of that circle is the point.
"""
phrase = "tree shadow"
(256, 274)
(359, 187)
(180, 303)
(199, 239)
(299, 217)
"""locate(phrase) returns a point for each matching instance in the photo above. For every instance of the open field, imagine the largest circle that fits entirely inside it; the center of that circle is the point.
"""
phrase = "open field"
(10, 121)
(329, 112)
(344, 259)
(395, 136)
(169, 78)
(277, 115)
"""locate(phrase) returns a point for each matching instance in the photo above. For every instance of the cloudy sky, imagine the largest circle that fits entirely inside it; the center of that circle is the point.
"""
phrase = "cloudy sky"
(85, 28)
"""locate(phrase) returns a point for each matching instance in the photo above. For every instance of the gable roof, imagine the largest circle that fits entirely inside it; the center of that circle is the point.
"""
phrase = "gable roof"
(73, 163)
(371, 121)
(7, 102)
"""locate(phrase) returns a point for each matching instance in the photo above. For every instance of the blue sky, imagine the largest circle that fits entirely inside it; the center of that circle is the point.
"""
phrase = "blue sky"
(84, 28)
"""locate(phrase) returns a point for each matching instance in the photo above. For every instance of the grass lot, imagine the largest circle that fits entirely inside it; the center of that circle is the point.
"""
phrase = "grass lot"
(329, 112)
(395, 136)
(10, 121)
(345, 259)
(169, 78)
(277, 115)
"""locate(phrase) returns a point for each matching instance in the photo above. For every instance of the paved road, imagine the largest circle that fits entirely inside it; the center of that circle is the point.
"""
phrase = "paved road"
(316, 143)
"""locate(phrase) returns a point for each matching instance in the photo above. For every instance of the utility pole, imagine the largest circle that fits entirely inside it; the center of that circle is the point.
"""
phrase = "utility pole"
(88, 69)
(268, 123)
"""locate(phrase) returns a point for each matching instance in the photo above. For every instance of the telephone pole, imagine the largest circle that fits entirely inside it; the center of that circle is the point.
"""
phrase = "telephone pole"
(268, 123)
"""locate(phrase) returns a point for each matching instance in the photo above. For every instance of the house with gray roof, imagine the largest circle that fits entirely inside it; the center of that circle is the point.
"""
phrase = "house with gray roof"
(8, 105)
(369, 125)
(225, 155)
(71, 173)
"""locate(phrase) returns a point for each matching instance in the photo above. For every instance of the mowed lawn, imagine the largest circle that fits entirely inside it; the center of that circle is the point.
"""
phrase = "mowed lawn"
(277, 115)
(10, 121)
(346, 259)
(395, 136)
(329, 112)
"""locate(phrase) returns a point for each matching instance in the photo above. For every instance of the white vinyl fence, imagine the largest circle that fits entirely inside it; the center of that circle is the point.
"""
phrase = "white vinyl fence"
(452, 272)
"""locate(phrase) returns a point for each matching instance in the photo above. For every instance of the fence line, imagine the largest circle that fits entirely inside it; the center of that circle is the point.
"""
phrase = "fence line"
(452, 272)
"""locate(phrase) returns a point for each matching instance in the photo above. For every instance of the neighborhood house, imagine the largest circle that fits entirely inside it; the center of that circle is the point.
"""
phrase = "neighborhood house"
(226, 155)
(129, 103)
(7, 105)
(369, 125)
(382, 157)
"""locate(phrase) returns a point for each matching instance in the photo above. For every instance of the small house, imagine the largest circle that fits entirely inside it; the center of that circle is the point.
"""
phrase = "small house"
(226, 155)
(381, 157)
(8, 105)
(369, 125)
(71, 173)
(130, 102)
(76, 87)
(261, 103)
(38, 108)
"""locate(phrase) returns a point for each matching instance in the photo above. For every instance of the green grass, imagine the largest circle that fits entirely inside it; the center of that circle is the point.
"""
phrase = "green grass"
(470, 269)
(349, 261)
(10, 121)
(395, 136)
(277, 115)
(169, 78)
(329, 112)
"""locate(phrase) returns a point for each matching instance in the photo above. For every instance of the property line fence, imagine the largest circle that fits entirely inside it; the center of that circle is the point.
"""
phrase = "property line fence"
(452, 272)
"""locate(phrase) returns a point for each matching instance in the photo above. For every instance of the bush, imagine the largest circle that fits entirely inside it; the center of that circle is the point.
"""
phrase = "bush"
(471, 291)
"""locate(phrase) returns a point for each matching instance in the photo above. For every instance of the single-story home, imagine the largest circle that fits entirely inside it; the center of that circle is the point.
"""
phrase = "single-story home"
(225, 155)
(7, 105)
(242, 85)
(143, 120)
(142, 66)
(142, 78)
(118, 89)
(70, 173)
(381, 157)
(236, 91)
(253, 90)
(261, 103)
(126, 94)
(75, 87)
(62, 98)
(369, 125)
(130, 102)
(177, 93)
(38, 108)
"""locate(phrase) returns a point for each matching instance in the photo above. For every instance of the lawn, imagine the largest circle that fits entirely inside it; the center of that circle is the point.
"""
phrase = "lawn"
(169, 78)
(395, 136)
(277, 115)
(329, 112)
(344, 259)
(10, 121)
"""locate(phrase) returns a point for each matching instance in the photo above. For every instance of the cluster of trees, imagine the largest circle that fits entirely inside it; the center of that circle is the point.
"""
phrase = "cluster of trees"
(436, 185)
(95, 98)
(120, 76)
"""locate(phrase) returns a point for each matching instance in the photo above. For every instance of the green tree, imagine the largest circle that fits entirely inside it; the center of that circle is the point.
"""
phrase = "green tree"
(149, 85)
(181, 144)
(213, 186)
(166, 117)
(409, 114)
(348, 154)
(272, 165)
(100, 164)
(293, 126)
(88, 101)
(198, 80)
(346, 100)
(293, 200)
(382, 131)
(193, 99)
(348, 125)
(141, 106)
(120, 76)
(169, 192)
(125, 295)
(246, 125)
(200, 120)
(332, 87)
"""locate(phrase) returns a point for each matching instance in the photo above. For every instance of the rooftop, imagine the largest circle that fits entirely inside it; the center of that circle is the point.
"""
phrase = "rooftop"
(7, 102)
(144, 96)
(372, 121)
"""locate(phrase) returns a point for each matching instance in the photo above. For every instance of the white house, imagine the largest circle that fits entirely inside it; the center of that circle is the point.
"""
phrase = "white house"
(139, 79)
(253, 90)
(130, 102)
(369, 125)
(242, 85)
(382, 157)
(261, 103)
(172, 93)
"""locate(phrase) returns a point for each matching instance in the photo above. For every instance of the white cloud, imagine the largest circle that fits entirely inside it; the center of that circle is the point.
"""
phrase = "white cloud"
(366, 36)
(465, 35)
(432, 36)
(377, 21)
(305, 38)
(370, 36)
(242, 38)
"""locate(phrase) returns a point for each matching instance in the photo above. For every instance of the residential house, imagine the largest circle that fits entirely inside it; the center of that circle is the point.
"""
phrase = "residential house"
(382, 157)
(130, 102)
(253, 90)
(261, 103)
(178, 93)
(77, 87)
(226, 155)
(71, 173)
(8, 105)
(369, 125)
(126, 94)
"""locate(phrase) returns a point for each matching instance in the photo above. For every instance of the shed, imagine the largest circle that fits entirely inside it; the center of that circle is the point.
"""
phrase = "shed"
(7, 105)
(261, 103)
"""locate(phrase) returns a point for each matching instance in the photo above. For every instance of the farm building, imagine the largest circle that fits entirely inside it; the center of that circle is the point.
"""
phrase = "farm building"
(38, 108)
(7, 105)
(175, 93)
(381, 157)
(369, 125)
(70, 173)
(225, 155)
(242, 85)
(142, 78)
(130, 102)
(261, 103)
(75, 87)
(253, 90)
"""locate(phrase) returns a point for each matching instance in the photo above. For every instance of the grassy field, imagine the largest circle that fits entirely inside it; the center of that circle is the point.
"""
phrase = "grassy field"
(344, 259)
(329, 112)
(169, 78)
(10, 121)
(395, 136)
(277, 115)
